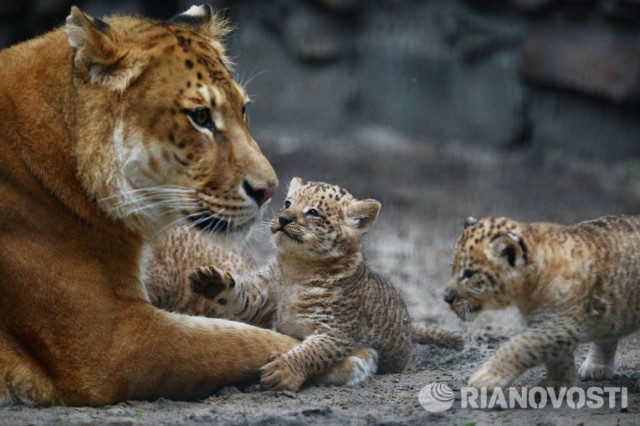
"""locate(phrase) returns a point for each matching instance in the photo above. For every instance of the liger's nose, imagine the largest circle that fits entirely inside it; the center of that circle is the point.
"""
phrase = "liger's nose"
(284, 220)
(260, 193)
(450, 295)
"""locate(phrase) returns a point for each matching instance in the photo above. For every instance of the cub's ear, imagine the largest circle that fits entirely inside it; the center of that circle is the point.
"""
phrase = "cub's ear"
(470, 221)
(508, 247)
(361, 214)
(294, 185)
(205, 21)
(97, 55)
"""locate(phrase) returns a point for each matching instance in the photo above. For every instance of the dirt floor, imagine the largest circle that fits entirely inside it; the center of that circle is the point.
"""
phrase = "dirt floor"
(426, 190)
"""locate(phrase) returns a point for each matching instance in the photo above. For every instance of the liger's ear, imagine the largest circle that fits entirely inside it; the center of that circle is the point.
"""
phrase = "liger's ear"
(97, 55)
(205, 21)
(508, 247)
(361, 214)
(197, 17)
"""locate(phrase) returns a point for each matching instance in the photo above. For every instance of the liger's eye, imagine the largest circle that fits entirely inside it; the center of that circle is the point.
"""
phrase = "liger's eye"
(202, 118)
(468, 273)
(313, 213)
(287, 204)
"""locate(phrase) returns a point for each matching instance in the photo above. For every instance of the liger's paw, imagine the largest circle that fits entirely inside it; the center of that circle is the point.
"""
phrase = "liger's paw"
(278, 375)
(593, 371)
(486, 378)
(210, 282)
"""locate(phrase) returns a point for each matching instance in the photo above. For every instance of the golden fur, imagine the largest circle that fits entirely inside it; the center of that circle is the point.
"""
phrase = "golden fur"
(110, 131)
(572, 284)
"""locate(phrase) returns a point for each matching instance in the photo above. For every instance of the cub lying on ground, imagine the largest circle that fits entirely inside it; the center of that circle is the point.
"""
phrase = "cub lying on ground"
(319, 289)
(573, 284)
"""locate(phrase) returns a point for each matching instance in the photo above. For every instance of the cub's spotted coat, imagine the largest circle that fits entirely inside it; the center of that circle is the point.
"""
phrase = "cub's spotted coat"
(173, 256)
(573, 284)
(319, 289)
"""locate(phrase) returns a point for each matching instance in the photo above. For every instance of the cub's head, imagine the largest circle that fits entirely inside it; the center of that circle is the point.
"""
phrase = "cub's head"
(322, 221)
(489, 264)
(161, 133)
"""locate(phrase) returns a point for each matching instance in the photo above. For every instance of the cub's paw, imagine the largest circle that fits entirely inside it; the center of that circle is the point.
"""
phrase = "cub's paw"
(593, 371)
(486, 378)
(278, 375)
(352, 370)
(210, 282)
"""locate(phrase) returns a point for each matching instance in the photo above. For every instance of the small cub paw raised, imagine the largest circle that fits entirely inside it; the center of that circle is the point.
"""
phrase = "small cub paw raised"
(210, 282)
(278, 374)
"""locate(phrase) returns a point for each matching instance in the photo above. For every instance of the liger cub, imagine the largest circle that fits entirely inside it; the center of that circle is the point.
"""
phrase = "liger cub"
(319, 289)
(573, 284)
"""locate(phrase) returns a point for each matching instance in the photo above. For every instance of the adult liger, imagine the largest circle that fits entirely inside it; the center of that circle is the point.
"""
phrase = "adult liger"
(109, 132)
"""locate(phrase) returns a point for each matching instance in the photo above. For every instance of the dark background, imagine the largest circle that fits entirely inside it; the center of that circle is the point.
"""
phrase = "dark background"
(536, 74)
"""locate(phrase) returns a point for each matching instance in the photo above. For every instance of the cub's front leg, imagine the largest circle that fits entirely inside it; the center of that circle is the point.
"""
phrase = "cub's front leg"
(316, 354)
(551, 346)
(247, 297)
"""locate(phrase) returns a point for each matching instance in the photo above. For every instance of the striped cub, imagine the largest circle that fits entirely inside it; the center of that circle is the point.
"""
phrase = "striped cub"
(352, 322)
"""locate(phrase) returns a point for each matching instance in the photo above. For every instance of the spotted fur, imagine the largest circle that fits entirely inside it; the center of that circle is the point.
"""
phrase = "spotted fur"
(174, 255)
(572, 284)
(319, 289)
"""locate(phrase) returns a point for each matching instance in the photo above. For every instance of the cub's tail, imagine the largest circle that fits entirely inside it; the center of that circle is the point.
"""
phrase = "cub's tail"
(428, 335)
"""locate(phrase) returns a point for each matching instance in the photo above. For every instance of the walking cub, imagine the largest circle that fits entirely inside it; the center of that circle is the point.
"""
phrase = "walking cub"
(318, 289)
(573, 284)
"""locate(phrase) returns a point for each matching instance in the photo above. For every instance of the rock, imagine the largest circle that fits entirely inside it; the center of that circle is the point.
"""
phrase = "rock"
(621, 9)
(412, 79)
(286, 92)
(340, 6)
(589, 59)
(314, 37)
(583, 127)
(532, 5)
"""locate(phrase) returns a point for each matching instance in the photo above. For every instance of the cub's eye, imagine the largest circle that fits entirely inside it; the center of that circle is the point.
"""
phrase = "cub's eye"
(287, 204)
(468, 273)
(202, 117)
(313, 213)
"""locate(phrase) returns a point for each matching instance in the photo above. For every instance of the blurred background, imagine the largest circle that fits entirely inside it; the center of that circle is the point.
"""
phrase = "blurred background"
(541, 74)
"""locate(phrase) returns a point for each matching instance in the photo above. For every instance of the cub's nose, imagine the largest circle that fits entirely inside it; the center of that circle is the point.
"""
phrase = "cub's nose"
(260, 193)
(284, 220)
(450, 295)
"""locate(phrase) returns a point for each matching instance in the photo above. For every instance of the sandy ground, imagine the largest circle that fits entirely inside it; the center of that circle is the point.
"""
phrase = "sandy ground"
(426, 189)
